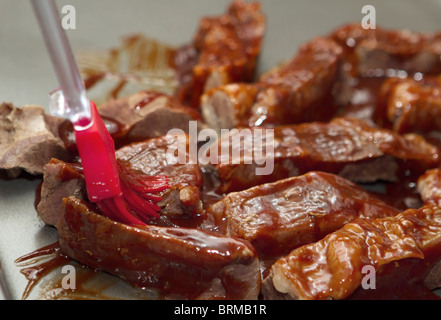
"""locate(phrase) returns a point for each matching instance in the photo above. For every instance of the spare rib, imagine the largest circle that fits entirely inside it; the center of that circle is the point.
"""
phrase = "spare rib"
(225, 50)
(348, 147)
(385, 258)
(303, 89)
(281, 216)
(181, 263)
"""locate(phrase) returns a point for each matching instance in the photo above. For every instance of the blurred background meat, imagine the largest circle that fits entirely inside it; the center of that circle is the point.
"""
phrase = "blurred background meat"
(28, 140)
(225, 50)
(300, 90)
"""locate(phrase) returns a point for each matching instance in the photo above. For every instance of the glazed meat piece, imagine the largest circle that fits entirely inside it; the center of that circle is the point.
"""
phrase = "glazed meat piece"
(370, 51)
(429, 186)
(281, 216)
(222, 60)
(310, 78)
(301, 90)
(399, 251)
(250, 24)
(147, 115)
(407, 105)
(28, 140)
(138, 117)
(60, 179)
(229, 106)
(181, 201)
(225, 50)
(347, 147)
(151, 157)
(181, 263)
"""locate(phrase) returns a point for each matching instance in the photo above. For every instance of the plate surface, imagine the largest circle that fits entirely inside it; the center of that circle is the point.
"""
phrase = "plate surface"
(27, 76)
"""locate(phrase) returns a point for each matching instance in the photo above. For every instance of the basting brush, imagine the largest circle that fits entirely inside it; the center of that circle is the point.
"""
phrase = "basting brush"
(121, 194)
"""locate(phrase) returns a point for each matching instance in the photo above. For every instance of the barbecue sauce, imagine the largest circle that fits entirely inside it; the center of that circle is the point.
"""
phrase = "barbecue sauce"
(363, 104)
(89, 284)
(38, 271)
(396, 194)
(156, 257)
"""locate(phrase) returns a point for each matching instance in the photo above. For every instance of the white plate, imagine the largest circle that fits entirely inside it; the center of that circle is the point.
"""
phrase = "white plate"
(27, 76)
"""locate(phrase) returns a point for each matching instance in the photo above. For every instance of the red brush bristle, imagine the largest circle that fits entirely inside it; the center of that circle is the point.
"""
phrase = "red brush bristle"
(137, 205)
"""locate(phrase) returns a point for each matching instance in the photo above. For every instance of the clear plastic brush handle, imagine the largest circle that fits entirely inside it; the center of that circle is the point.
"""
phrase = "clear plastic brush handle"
(72, 103)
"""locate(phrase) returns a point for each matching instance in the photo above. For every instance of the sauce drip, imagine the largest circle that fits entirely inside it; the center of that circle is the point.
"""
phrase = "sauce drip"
(89, 284)
(37, 271)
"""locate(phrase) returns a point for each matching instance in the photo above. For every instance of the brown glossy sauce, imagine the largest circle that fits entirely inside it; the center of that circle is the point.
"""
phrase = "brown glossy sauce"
(399, 280)
(170, 253)
(70, 172)
(396, 194)
(89, 284)
(39, 270)
(403, 194)
(67, 134)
